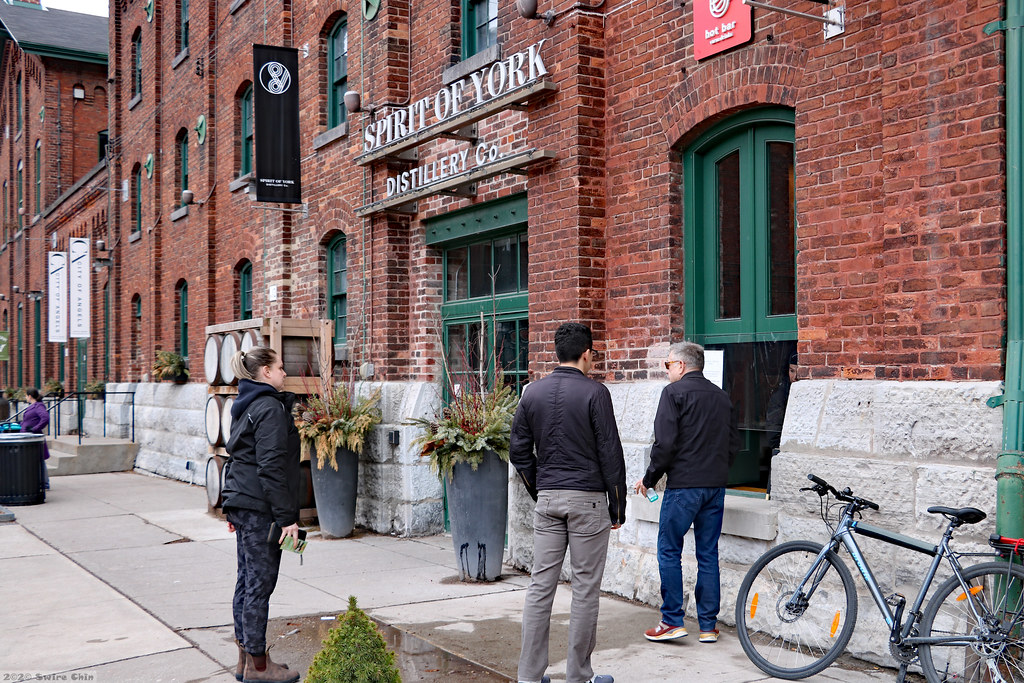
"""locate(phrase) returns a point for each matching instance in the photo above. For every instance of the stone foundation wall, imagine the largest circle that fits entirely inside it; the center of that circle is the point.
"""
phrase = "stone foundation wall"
(905, 445)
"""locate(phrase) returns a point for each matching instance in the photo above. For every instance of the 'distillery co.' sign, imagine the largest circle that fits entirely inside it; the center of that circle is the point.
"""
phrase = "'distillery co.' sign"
(479, 87)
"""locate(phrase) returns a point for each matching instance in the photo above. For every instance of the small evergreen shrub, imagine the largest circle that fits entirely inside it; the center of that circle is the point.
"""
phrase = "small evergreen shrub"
(354, 652)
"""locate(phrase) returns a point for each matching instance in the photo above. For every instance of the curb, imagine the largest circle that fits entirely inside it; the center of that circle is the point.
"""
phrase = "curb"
(6, 515)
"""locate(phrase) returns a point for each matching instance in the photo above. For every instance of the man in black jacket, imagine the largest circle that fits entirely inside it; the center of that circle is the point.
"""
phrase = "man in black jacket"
(695, 441)
(578, 478)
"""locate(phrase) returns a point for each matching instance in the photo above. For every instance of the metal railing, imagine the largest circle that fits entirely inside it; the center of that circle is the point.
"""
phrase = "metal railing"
(53, 407)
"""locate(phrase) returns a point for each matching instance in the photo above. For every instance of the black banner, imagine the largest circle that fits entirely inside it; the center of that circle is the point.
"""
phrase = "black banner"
(276, 135)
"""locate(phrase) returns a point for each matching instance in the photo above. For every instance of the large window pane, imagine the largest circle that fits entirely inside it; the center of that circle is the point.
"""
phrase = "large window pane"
(524, 263)
(781, 235)
(457, 275)
(505, 265)
(480, 269)
(728, 172)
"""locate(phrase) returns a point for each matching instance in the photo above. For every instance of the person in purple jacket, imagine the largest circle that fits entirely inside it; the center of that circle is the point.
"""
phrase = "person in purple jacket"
(35, 419)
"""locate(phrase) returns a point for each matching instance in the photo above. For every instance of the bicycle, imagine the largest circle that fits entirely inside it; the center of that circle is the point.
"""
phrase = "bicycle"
(797, 605)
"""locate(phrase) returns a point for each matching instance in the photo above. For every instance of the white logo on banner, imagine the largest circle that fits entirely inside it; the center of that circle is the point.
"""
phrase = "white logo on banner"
(57, 290)
(80, 286)
(274, 78)
(718, 8)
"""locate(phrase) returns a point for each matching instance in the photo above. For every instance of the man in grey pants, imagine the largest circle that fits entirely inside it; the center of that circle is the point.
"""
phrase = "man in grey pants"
(578, 478)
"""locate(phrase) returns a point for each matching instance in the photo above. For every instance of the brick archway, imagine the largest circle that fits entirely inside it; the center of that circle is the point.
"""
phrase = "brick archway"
(759, 75)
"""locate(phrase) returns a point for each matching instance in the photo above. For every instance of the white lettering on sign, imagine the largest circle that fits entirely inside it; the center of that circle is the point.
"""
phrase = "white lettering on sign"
(442, 167)
(500, 78)
(720, 33)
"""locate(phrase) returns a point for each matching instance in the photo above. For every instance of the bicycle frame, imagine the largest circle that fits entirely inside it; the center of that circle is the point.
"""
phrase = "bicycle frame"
(844, 533)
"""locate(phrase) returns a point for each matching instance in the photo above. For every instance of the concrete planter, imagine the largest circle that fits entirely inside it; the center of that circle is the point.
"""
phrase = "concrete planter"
(335, 493)
(478, 511)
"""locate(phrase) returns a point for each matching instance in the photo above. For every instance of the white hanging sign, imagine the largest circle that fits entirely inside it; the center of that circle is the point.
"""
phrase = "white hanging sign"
(80, 269)
(57, 291)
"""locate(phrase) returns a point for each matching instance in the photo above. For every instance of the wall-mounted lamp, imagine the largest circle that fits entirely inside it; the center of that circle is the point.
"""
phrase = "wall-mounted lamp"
(78, 93)
(99, 264)
(101, 245)
(3, 297)
(15, 289)
(35, 295)
(528, 10)
(354, 104)
(187, 197)
(21, 210)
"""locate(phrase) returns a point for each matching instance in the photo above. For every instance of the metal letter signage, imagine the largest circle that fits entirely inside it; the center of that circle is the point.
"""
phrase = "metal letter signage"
(57, 290)
(719, 25)
(79, 273)
(276, 134)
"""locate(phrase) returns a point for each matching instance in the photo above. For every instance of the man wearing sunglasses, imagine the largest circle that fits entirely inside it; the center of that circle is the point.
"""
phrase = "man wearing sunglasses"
(578, 478)
(695, 441)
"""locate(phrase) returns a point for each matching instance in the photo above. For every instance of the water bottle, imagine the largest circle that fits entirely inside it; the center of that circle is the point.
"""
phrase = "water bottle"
(652, 495)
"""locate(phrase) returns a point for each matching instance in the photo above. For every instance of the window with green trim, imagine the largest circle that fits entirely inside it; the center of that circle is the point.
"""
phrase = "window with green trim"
(136, 190)
(137, 63)
(37, 344)
(182, 25)
(182, 295)
(338, 76)
(246, 133)
(7, 209)
(245, 291)
(479, 26)
(38, 170)
(740, 242)
(21, 346)
(20, 115)
(103, 137)
(21, 192)
(337, 286)
(136, 329)
(182, 165)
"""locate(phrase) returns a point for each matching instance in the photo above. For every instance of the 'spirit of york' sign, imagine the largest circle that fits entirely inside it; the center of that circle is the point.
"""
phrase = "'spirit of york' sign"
(499, 78)
(719, 25)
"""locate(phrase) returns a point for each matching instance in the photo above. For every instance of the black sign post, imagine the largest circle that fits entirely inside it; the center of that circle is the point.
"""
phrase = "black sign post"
(276, 109)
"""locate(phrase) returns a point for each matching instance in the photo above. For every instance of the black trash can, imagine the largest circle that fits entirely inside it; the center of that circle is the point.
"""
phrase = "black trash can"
(21, 481)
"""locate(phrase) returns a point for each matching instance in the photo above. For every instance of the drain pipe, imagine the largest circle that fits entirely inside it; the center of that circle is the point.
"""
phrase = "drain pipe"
(1010, 463)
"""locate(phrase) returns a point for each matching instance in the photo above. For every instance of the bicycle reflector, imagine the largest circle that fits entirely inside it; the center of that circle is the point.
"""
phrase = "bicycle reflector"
(753, 606)
(973, 591)
(835, 625)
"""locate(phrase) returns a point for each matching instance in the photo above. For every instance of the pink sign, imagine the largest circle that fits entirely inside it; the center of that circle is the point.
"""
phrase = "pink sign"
(719, 25)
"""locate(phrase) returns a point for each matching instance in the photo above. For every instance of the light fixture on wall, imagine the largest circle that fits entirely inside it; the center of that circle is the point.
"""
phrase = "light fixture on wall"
(528, 10)
(35, 295)
(354, 103)
(187, 197)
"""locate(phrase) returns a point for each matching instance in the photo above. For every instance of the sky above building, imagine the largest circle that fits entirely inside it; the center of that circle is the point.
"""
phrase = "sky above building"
(97, 7)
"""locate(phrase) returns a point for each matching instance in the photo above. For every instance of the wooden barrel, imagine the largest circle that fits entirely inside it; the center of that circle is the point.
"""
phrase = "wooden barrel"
(228, 346)
(215, 480)
(225, 418)
(251, 339)
(214, 408)
(211, 359)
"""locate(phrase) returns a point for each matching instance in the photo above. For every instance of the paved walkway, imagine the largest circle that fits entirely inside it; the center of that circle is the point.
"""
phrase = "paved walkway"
(124, 577)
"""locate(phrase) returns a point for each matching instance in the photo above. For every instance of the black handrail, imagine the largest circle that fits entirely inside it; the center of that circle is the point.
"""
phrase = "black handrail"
(80, 396)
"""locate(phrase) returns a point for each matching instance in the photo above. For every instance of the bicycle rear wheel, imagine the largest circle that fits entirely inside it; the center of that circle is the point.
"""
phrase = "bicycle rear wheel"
(797, 640)
(987, 621)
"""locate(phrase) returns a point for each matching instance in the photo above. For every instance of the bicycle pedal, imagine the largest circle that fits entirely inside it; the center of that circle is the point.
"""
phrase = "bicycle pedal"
(895, 600)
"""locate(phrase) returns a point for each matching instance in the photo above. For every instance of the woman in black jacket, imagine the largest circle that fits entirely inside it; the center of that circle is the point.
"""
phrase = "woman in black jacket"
(261, 488)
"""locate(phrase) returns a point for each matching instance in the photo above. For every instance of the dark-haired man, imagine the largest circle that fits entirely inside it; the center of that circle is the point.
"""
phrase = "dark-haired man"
(578, 478)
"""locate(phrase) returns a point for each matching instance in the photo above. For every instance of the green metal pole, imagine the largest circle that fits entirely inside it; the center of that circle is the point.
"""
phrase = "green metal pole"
(1010, 463)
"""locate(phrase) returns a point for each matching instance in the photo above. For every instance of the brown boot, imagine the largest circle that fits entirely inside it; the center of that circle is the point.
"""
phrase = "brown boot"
(240, 669)
(271, 671)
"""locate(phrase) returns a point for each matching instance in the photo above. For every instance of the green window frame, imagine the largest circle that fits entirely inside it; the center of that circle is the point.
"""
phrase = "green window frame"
(183, 26)
(137, 63)
(102, 138)
(37, 344)
(39, 176)
(338, 77)
(136, 190)
(20, 115)
(7, 210)
(479, 26)
(182, 164)
(337, 286)
(183, 320)
(740, 268)
(245, 292)
(21, 192)
(136, 329)
(21, 345)
(246, 137)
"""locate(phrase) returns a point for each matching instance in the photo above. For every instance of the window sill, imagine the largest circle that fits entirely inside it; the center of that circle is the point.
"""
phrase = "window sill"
(182, 56)
(236, 5)
(471, 64)
(134, 102)
(329, 136)
(35, 219)
(744, 517)
(179, 213)
(240, 182)
(135, 236)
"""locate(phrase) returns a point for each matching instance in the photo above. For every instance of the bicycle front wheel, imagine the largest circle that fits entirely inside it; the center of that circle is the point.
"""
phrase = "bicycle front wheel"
(793, 633)
(985, 625)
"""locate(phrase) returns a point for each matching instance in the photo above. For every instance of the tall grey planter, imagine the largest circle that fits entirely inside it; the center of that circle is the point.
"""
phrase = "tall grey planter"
(478, 513)
(335, 493)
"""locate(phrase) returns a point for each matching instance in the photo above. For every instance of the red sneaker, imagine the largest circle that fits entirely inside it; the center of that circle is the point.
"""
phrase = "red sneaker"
(665, 632)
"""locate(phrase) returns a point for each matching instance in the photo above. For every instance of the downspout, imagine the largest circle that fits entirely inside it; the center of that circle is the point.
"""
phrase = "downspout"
(1010, 463)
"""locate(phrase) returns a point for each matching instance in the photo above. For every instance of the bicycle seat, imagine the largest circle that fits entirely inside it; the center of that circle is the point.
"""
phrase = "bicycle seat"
(965, 515)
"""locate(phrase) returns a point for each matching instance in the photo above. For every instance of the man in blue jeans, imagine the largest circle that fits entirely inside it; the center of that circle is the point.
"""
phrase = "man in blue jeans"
(695, 441)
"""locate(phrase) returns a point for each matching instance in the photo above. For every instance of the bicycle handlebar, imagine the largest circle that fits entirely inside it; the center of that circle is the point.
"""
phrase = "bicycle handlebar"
(822, 487)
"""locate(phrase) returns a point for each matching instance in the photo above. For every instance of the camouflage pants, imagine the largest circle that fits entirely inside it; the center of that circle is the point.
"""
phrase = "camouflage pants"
(258, 565)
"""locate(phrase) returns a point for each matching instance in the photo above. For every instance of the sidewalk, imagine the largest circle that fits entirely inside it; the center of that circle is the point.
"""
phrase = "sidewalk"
(123, 577)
